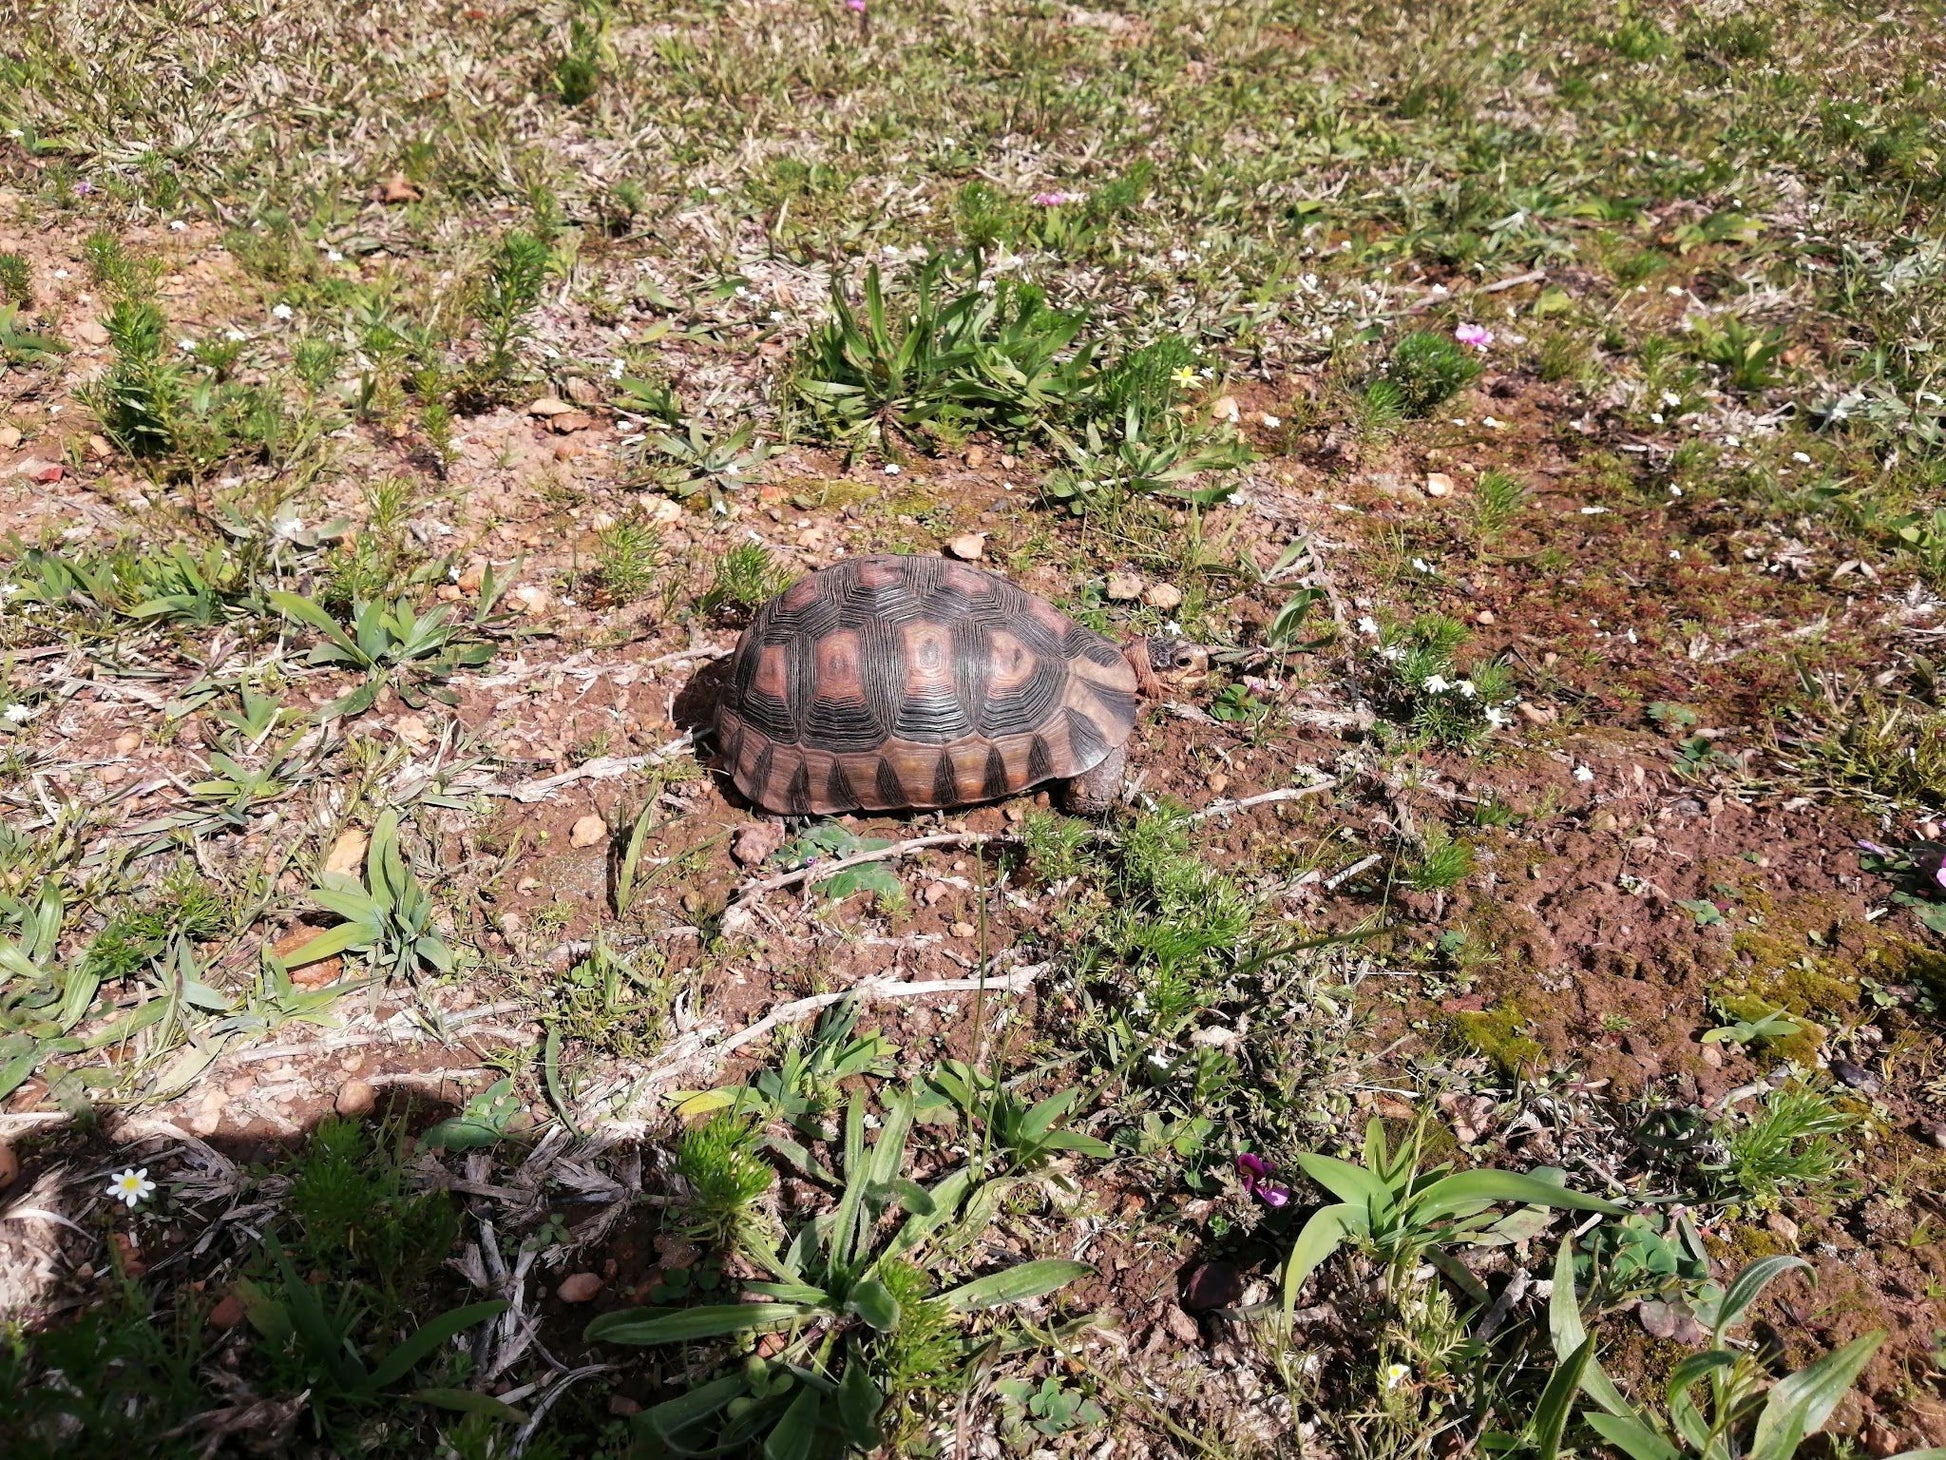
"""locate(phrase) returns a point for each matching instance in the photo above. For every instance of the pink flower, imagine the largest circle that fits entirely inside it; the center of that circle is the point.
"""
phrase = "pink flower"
(1476, 335)
(1056, 200)
(855, 5)
(1256, 1180)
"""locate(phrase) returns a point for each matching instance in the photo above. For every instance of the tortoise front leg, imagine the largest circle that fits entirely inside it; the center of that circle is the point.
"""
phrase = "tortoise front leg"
(1092, 792)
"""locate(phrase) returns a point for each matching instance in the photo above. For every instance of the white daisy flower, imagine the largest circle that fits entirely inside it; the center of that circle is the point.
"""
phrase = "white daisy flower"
(131, 1186)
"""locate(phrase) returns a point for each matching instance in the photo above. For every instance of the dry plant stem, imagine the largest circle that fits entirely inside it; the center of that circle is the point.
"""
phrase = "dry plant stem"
(883, 854)
(869, 992)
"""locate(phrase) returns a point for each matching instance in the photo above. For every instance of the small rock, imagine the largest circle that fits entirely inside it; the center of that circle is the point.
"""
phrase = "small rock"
(347, 853)
(111, 774)
(1783, 1226)
(91, 332)
(621, 1406)
(1933, 1131)
(1224, 408)
(1670, 1321)
(1712, 1056)
(1163, 595)
(753, 844)
(9, 438)
(1856, 1076)
(578, 1287)
(413, 730)
(1124, 587)
(968, 547)
(976, 457)
(37, 470)
(472, 575)
(583, 392)
(1534, 714)
(1218, 783)
(398, 188)
(9, 1167)
(530, 598)
(527, 884)
(568, 422)
(1881, 1439)
(771, 1345)
(310, 975)
(355, 1098)
(1213, 1285)
(1485, 616)
(963, 930)
(127, 743)
(936, 893)
(549, 405)
(1438, 484)
(227, 1313)
(1929, 831)
(128, 1255)
(589, 831)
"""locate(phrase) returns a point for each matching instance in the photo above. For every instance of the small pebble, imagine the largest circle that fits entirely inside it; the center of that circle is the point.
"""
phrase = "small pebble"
(589, 831)
(356, 1098)
(1124, 587)
(1856, 1076)
(1163, 595)
(1438, 484)
(968, 547)
(963, 930)
(9, 1167)
(578, 1287)
(227, 1313)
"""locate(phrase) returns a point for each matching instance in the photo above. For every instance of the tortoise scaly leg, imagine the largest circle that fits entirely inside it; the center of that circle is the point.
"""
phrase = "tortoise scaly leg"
(1092, 792)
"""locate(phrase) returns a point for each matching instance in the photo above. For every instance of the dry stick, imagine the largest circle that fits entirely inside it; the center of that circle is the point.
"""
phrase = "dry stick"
(1286, 793)
(1019, 981)
(600, 769)
(883, 854)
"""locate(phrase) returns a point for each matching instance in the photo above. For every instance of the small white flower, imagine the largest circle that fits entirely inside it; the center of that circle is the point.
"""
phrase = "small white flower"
(776, 316)
(1496, 717)
(19, 714)
(61, 273)
(1670, 398)
(235, 337)
(289, 526)
(1368, 625)
(1492, 424)
(1674, 556)
(891, 470)
(1583, 774)
(1395, 1375)
(1733, 441)
(1391, 653)
(176, 225)
(1271, 421)
(333, 256)
(615, 368)
(185, 345)
(1436, 684)
(280, 311)
(1800, 458)
(1593, 511)
(1422, 565)
(1466, 687)
(1674, 490)
(131, 1186)
(9, 590)
(1656, 417)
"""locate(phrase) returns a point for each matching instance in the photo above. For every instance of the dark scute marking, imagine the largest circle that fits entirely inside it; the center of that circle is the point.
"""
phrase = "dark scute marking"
(995, 785)
(1117, 707)
(1040, 761)
(931, 719)
(843, 725)
(798, 795)
(838, 792)
(1029, 705)
(1086, 741)
(881, 669)
(769, 716)
(891, 790)
(972, 656)
(945, 780)
(729, 737)
(758, 786)
(1087, 644)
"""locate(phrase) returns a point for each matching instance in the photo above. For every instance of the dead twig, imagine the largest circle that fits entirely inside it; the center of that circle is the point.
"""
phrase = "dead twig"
(1264, 798)
(756, 890)
(601, 768)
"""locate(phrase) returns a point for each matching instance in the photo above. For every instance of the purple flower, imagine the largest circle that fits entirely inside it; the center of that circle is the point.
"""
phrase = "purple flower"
(856, 5)
(1875, 848)
(1056, 200)
(1476, 335)
(83, 188)
(1255, 1171)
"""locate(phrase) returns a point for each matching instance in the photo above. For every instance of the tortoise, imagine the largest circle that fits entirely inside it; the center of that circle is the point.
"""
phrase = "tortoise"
(886, 683)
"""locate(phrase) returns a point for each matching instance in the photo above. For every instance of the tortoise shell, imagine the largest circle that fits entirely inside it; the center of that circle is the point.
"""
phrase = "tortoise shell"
(888, 682)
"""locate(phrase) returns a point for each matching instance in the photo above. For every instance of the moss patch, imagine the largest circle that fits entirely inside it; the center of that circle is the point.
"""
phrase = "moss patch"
(1498, 1034)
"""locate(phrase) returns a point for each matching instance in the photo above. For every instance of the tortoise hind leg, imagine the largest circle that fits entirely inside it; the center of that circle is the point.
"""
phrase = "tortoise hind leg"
(1092, 792)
